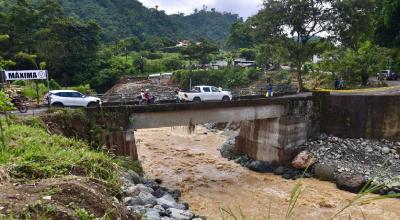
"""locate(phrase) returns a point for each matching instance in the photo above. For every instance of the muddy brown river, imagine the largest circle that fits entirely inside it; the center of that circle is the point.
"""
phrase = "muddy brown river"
(192, 163)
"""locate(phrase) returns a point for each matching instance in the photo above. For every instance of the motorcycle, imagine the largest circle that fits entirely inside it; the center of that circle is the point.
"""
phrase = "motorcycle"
(142, 101)
(20, 104)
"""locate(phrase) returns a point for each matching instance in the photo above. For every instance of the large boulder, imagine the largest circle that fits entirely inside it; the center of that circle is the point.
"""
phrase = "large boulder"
(132, 191)
(180, 214)
(304, 160)
(151, 214)
(144, 188)
(351, 183)
(324, 172)
(259, 166)
(160, 192)
(132, 177)
(152, 184)
(167, 201)
(133, 201)
(147, 198)
(139, 209)
(228, 150)
(176, 193)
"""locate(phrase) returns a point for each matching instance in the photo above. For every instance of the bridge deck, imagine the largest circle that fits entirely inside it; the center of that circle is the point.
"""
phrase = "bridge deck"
(205, 105)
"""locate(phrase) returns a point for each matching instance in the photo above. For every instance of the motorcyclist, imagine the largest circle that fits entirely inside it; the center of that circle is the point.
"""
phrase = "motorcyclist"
(17, 99)
(19, 102)
(148, 97)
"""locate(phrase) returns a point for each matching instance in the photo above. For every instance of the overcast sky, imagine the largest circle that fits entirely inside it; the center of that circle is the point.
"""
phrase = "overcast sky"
(244, 8)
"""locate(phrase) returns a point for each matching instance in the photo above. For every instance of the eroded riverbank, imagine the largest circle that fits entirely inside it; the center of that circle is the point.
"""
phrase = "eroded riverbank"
(192, 163)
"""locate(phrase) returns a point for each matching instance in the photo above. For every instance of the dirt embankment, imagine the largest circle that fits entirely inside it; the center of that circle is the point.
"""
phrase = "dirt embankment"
(64, 198)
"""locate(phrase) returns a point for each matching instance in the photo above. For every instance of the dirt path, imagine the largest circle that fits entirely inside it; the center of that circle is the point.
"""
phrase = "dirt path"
(208, 181)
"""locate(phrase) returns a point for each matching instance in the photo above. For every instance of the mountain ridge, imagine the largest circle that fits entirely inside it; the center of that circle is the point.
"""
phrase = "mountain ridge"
(125, 18)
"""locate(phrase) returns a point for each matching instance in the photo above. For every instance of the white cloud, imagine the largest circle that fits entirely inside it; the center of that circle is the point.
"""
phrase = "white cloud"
(244, 8)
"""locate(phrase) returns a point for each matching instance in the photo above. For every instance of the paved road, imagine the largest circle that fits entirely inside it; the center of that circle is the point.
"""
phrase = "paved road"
(31, 111)
(392, 89)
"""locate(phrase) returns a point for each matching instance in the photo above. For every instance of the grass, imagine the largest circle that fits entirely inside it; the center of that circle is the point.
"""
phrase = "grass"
(32, 153)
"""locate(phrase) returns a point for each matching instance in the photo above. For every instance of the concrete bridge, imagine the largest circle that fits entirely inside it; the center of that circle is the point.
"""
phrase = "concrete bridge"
(270, 128)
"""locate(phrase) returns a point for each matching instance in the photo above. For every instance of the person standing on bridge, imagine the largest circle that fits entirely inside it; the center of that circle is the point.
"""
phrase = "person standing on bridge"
(269, 90)
(341, 83)
(177, 98)
(337, 84)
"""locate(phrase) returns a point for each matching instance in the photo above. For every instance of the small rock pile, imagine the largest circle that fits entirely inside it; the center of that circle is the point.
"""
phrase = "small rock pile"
(151, 201)
(376, 160)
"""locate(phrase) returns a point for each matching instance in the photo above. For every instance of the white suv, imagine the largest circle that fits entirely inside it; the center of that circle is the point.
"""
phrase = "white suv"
(61, 98)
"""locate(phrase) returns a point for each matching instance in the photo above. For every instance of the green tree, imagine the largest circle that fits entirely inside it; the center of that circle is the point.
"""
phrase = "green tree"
(354, 21)
(297, 23)
(139, 63)
(388, 25)
(247, 53)
(26, 61)
(153, 43)
(272, 53)
(130, 44)
(200, 51)
(68, 46)
(240, 36)
(173, 63)
(355, 66)
(22, 22)
(4, 63)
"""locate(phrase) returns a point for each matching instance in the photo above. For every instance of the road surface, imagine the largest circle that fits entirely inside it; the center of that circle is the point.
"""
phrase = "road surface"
(31, 111)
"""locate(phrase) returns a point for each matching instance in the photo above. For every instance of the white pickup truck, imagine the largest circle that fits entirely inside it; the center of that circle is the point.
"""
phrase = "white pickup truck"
(205, 93)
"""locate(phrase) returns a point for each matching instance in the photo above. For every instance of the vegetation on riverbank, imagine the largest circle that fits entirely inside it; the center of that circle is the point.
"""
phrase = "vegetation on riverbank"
(60, 167)
(31, 153)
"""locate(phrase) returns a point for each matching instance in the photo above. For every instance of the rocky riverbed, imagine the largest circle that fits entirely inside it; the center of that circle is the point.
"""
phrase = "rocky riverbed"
(374, 160)
(351, 163)
(148, 199)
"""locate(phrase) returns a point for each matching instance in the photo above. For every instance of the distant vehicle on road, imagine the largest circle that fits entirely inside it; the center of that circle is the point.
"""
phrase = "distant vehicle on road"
(70, 98)
(205, 93)
(387, 75)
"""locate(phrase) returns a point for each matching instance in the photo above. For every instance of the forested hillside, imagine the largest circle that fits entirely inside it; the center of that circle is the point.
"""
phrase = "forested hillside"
(124, 18)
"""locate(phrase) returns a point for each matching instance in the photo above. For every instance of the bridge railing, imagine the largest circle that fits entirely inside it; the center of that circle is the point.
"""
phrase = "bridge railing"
(124, 98)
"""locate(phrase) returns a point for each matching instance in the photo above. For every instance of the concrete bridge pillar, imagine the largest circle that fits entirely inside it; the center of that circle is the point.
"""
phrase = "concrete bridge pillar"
(272, 140)
(121, 143)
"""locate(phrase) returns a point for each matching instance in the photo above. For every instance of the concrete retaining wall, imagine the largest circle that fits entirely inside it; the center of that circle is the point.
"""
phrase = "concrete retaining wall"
(361, 116)
(121, 143)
